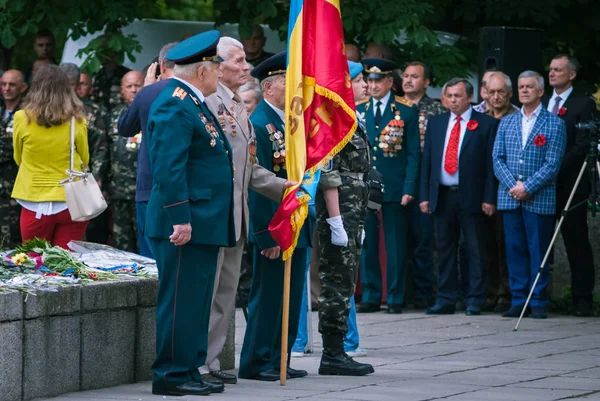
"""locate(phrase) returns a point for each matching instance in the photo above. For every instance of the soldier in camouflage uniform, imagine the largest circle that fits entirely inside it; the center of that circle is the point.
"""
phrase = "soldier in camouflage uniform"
(420, 225)
(107, 83)
(96, 119)
(123, 167)
(13, 87)
(341, 205)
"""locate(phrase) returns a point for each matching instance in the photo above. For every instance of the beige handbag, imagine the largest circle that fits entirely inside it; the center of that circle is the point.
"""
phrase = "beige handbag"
(84, 197)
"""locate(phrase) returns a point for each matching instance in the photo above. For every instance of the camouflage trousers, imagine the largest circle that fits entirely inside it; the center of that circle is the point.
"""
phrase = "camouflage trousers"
(10, 230)
(124, 225)
(338, 266)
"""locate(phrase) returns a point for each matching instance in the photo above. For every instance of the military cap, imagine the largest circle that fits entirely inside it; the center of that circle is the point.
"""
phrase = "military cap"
(354, 68)
(200, 47)
(378, 67)
(274, 65)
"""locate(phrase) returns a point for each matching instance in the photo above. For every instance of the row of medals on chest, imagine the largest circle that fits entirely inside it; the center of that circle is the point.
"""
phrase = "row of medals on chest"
(278, 146)
(132, 144)
(390, 137)
(232, 117)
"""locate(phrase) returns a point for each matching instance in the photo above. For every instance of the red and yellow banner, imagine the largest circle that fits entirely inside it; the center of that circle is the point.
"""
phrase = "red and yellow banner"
(319, 111)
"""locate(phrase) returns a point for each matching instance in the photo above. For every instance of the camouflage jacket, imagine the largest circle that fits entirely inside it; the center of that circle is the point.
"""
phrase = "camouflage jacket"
(8, 167)
(123, 159)
(96, 119)
(427, 109)
(107, 87)
(353, 158)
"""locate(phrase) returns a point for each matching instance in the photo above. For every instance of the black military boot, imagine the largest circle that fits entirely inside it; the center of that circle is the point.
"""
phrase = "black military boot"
(335, 361)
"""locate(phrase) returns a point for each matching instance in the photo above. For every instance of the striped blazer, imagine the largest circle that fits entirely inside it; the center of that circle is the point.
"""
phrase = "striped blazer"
(536, 165)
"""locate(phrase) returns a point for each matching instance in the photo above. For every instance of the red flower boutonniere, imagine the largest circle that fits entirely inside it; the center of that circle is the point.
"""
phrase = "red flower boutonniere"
(562, 111)
(472, 125)
(539, 140)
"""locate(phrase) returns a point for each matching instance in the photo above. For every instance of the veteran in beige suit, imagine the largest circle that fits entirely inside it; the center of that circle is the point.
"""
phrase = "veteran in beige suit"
(230, 111)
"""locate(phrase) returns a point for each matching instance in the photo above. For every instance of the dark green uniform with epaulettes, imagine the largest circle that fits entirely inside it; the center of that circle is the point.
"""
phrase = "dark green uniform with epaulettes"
(97, 123)
(192, 171)
(338, 266)
(261, 350)
(121, 183)
(395, 154)
(10, 210)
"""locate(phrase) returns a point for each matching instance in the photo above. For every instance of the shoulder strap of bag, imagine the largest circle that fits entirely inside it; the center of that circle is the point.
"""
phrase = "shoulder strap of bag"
(72, 141)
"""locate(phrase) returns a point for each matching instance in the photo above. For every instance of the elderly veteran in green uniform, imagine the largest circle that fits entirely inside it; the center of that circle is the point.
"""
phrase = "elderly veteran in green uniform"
(393, 130)
(341, 204)
(189, 214)
(261, 352)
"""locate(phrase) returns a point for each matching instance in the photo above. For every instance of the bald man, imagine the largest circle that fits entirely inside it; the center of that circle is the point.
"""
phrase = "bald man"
(352, 52)
(13, 88)
(123, 166)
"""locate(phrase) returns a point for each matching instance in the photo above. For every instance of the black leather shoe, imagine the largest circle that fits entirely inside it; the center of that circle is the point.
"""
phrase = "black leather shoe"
(489, 305)
(394, 309)
(296, 373)
(368, 308)
(472, 312)
(223, 377)
(515, 311)
(340, 364)
(189, 388)
(446, 309)
(270, 375)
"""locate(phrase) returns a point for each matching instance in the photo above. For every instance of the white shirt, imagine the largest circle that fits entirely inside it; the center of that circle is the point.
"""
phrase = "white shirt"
(196, 91)
(43, 208)
(384, 101)
(528, 123)
(279, 112)
(445, 178)
(563, 99)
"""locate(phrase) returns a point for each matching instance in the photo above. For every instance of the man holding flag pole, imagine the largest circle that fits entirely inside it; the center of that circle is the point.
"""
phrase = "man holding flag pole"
(319, 121)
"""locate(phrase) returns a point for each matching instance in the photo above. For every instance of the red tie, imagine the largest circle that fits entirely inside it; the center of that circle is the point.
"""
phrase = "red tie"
(451, 162)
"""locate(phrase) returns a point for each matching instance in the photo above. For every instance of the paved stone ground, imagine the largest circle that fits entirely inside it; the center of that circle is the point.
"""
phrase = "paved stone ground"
(418, 358)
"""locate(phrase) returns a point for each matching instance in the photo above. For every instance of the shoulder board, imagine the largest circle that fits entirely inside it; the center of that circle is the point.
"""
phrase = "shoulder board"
(180, 93)
(365, 100)
(403, 101)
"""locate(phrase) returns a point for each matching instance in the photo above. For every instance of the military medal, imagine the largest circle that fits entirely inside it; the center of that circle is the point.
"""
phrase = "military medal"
(276, 168)
(390, 138)
(252, 151)
(213, 142)
(203, 118)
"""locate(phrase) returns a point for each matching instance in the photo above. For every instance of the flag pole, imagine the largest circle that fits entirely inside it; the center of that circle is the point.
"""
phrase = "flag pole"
(284, 321)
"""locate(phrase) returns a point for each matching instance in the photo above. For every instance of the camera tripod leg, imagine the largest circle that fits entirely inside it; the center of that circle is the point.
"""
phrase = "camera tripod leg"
(556, 231)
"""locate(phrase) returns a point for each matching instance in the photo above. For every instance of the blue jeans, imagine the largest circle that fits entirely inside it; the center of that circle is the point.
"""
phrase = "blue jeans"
(143, 241)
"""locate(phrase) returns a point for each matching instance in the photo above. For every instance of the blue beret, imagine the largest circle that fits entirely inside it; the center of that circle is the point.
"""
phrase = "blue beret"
(354, 68)
(274, 65)
(378, 67)
(200, 47)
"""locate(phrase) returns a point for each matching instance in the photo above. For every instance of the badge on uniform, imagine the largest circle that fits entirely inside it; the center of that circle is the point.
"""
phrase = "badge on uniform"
(390, 139)
(203, 118)
(328, 167)
(252, 151)
(180, 93)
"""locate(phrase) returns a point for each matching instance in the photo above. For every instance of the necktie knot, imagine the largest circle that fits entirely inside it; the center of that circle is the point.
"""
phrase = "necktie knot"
(558, 98)
(458, 118)
(556, 104)
(378, 104)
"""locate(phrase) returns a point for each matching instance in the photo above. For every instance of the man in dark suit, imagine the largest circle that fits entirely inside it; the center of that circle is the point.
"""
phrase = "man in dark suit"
(133, 121)
(190, 213)
(459, 187)
(573, 108)
(260, 356)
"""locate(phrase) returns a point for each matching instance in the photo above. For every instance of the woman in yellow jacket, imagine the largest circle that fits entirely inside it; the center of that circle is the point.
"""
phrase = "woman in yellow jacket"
(41, 141)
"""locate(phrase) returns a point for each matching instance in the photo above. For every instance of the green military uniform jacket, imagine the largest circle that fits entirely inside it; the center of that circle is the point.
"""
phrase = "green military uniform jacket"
(192, 169)
(123, 159)
(8, 167)
(395, 145)
(97, 123)
(270, 152)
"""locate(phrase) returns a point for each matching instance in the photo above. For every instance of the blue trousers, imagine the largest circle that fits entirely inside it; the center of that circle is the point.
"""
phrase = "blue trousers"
(143, 241)
(527, 235)
(395, 231)
(262, 340)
